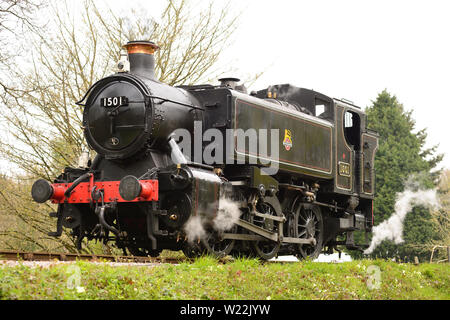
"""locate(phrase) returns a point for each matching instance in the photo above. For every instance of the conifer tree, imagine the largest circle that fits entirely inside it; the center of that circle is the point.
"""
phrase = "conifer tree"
(401, 155)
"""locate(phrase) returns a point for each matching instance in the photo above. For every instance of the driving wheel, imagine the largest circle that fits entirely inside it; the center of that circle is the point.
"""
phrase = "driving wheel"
(267, 249)
(309, 224)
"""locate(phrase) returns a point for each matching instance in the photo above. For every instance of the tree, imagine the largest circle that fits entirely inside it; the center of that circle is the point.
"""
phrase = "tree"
(401, 155)
(23, 225)
(38, 95)
(15, 16)
(441, 216)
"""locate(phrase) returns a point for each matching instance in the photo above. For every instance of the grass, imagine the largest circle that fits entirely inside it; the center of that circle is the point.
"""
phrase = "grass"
(205, 278)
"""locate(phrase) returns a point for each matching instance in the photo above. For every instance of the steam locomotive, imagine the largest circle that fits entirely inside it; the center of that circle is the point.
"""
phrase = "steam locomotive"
(145, 190)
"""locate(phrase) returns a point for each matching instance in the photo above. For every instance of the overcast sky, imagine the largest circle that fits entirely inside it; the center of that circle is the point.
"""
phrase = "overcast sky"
(355, 49)
(349, 49)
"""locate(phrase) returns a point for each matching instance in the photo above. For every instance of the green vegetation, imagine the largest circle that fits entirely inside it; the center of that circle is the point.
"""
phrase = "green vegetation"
(241, 279)
(402, 161)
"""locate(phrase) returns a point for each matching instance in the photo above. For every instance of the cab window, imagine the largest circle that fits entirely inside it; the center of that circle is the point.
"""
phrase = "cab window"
(352, 129)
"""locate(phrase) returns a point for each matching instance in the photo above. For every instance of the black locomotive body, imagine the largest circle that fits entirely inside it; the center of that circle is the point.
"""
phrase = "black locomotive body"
(289, 170)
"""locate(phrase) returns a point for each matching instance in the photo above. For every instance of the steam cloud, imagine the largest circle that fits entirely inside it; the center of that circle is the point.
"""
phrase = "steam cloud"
(227, 215)
(194, 229)
(392, 228)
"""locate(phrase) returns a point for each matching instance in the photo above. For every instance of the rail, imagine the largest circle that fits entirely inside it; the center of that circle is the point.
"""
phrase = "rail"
(50, 256)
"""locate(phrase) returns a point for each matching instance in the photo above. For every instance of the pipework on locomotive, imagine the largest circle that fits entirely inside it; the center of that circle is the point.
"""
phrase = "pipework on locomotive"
(144, 193)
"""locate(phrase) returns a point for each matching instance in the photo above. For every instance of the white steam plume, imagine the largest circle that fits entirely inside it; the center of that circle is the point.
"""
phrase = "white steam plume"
(194, 229)
(392, 228)
(227, 215)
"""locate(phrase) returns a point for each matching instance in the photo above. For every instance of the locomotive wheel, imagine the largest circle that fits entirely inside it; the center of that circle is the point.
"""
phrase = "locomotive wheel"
(243, 249)
(216, 247)
(267, 249)
(193, 250)
(309, 224)
(143, 252)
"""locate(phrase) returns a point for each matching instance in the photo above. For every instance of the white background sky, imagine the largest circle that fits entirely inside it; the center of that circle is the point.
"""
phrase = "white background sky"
(348, 49)
(355, 49)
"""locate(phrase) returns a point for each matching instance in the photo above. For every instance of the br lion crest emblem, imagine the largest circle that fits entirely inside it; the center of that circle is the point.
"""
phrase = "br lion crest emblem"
(287, 142)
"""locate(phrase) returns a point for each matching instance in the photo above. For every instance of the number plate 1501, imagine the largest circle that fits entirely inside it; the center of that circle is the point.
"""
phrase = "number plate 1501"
(114, 101)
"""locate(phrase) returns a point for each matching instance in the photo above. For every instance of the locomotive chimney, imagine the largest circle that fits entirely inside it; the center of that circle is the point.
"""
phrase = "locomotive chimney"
(140, 55)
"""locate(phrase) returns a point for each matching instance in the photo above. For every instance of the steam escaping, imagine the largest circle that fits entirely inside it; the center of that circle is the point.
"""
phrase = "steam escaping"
(227, 215)
(194, 229)
(392, 228)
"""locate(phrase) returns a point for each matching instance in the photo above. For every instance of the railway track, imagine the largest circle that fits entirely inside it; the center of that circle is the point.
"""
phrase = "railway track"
(52, 256)
(11, 255)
